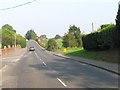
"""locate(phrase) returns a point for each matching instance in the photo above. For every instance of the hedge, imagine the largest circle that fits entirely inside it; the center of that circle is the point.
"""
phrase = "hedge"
(102, 39)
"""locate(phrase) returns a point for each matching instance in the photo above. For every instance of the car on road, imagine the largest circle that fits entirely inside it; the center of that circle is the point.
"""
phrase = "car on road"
(31, 48)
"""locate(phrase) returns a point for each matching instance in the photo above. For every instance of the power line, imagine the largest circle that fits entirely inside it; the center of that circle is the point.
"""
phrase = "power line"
(18, 5)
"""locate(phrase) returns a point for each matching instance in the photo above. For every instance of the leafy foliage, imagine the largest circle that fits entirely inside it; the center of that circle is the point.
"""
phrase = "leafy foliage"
(52, 45)
(57, 36)
(8, 27)
(69, 41)
(31, 35)
(101, 39)
(8, 37)
(21, 40)
(59, 43)
(42, 42)
(73, 37)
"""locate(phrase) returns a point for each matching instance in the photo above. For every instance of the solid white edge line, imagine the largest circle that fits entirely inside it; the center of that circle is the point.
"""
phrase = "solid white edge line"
(62, 82)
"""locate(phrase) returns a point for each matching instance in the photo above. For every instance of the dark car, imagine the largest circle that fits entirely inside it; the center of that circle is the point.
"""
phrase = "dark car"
(31, 48)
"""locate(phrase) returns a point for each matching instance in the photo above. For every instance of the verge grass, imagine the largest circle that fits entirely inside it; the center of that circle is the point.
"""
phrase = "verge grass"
(107, 56)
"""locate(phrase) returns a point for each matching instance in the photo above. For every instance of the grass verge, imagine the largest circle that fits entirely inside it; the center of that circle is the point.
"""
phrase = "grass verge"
(107, 56)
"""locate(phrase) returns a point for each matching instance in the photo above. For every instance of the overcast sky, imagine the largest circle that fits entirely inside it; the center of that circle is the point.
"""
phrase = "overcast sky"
(53, 17)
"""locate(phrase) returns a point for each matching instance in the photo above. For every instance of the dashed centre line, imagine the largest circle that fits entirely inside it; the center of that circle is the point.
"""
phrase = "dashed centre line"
(40, 59)
(36, 55)
(62, 82)
(44, 63)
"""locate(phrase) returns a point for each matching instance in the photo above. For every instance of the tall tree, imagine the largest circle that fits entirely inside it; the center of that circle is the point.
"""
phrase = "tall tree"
(73, 37)
(8, 27)
(118, 27)
(31, 35)
(75, 31)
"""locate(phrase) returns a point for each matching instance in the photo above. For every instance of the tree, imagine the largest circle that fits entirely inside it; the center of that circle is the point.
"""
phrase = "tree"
(75, 31)
(8, 37)
(52, 45)
(8, 27)
(73, 37)
(118, 27)
(104, 26)
(31, 35)
(69, 41)
(57, 36)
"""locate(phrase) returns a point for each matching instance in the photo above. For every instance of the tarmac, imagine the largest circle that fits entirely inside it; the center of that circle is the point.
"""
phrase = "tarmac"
(111, 67)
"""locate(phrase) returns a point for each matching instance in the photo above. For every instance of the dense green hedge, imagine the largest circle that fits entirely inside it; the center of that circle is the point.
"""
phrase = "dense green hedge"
(102, 39)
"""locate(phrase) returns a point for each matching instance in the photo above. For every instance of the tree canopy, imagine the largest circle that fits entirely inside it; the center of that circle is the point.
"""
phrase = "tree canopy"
(73, 37)
(52, 45)
(31, 35)
(8, 27)
(8, 37)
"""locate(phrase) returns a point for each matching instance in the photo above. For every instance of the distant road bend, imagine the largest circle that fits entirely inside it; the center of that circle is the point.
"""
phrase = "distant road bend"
(41, 69)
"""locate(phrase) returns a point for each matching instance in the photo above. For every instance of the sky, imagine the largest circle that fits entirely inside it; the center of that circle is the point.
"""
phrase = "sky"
(51, 17)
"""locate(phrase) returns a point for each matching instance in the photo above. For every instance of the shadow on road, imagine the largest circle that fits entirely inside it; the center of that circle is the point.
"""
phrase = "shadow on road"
(78, 74)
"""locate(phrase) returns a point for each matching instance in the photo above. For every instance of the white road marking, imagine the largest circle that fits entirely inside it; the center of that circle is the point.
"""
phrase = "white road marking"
(62, 82)
(3, 68)
(40, 59)
(17, 59)
(36, 55)
(83, 64)
(10, 57)
(44, 63)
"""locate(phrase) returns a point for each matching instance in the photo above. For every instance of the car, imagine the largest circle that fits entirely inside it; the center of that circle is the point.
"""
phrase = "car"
(31, 48)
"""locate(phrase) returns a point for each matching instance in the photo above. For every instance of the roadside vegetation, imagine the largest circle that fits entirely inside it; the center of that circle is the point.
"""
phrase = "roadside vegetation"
(9, 35)
(31, 35)
(101, 44)
(105, 55)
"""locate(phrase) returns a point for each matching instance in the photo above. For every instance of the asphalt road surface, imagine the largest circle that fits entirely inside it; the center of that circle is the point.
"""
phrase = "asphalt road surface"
(41, 69)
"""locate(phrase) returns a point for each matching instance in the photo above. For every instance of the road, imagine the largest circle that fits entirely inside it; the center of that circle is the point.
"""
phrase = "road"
(41, 69)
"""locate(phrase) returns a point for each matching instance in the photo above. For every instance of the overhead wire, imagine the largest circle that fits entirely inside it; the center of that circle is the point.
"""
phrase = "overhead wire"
(18, 5)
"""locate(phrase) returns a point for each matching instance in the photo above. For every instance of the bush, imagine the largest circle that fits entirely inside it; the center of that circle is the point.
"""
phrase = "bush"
(59, 43)
(21, 41)
(100, 40)
(52, 45)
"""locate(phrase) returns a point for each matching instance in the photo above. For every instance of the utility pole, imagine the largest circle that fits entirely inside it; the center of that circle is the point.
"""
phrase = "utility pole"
(15, 39)
(92, 27)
